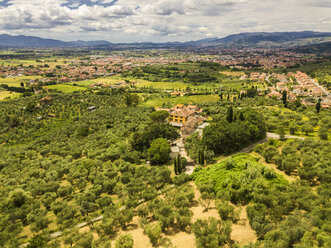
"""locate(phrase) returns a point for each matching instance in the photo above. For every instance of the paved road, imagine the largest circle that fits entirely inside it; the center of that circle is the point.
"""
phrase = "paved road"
(321, 87)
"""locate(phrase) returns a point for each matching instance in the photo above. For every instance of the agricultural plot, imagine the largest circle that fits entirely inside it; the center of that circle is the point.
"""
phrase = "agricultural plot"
(8, 94)
(196, 99)
(106, 80)
(66, 88)
(233, 73)
(16, 81)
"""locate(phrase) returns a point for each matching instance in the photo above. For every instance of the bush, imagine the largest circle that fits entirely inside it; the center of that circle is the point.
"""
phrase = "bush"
(124, 241)
(211, 233)
(225, 210)
(153, 231)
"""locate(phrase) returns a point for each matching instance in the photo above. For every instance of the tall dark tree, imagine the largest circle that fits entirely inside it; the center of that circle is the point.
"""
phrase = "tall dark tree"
(229, 115)
(203, 157)
(284, 98)
(318, 106)
(175, 166)
(179, 164)
(241, 116)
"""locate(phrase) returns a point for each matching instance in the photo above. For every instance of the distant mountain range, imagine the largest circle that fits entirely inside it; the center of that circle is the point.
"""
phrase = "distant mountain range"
(315, 48)
(243, 40)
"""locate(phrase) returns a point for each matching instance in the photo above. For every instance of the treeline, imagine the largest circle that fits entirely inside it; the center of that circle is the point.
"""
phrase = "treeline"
(238, 130)
(196, 73)
(16, 89)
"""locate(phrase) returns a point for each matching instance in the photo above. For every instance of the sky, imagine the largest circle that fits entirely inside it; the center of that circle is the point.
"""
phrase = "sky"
(159, 20)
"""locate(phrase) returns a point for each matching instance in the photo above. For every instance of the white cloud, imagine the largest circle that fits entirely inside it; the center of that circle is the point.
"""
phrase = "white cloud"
(133, 20)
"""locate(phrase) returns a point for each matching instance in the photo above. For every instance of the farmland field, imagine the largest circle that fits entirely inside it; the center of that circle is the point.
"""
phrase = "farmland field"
(107, 80)
(16, 81)
(5, 94)
(196, 99)
(66, 88)
(233, 73)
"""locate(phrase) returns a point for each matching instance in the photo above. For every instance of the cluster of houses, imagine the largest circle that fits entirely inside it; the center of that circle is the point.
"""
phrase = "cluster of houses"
(256, 76)
(299, 84)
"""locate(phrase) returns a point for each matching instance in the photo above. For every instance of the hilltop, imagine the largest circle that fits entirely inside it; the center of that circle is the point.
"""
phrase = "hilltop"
(242, 40)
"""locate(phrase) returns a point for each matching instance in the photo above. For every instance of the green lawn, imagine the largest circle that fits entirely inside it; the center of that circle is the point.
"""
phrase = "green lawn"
(66, 88)
(107, 80)
(163, 85)
(17, 62)
(16, 81)
(184, 100)
(5, 94)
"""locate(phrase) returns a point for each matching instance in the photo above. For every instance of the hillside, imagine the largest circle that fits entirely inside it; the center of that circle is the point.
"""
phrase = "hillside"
(263, 40)
(315, 48)
(277, 39)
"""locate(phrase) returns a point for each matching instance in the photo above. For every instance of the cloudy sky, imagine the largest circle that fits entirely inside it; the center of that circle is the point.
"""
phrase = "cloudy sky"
(159, 20)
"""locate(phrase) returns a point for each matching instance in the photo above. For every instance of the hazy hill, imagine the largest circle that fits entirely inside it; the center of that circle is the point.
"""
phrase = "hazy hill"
(278, 39)
(28, 41)
(315, 48)
(266, 40)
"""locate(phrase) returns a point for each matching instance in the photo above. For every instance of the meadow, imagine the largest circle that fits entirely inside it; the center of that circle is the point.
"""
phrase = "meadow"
(195, 99)
(7, 94)
(66, 88)
(16, 81)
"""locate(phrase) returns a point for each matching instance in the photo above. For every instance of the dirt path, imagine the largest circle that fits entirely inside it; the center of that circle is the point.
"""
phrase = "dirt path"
(290, 178)
(242, 232)
(137, 233)
(198, 210)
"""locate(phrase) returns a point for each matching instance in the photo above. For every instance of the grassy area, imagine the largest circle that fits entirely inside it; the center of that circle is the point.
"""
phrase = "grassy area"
(107, 80)
(16, 62)
(16, 81)
(233, 73)
(66, 88)
(5, 94)
(184, 100)
(234, 172)
(163, 85)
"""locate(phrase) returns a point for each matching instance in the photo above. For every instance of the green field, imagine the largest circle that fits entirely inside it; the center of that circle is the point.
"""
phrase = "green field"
(16, 81)
(5, 94)
(233, 73)
(196, 99)
(107, 80)
(17, 62)
(163, 85)
(66, 88)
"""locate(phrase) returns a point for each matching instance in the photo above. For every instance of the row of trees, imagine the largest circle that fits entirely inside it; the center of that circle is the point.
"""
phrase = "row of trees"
(234, 133)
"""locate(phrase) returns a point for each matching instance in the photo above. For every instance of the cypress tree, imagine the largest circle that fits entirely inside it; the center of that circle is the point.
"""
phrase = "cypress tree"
(229, 115)
(318, 106)
(284, 98)
(241, 116)
(199, 157)
(203, 157)
(179, 166)
(175, 166)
